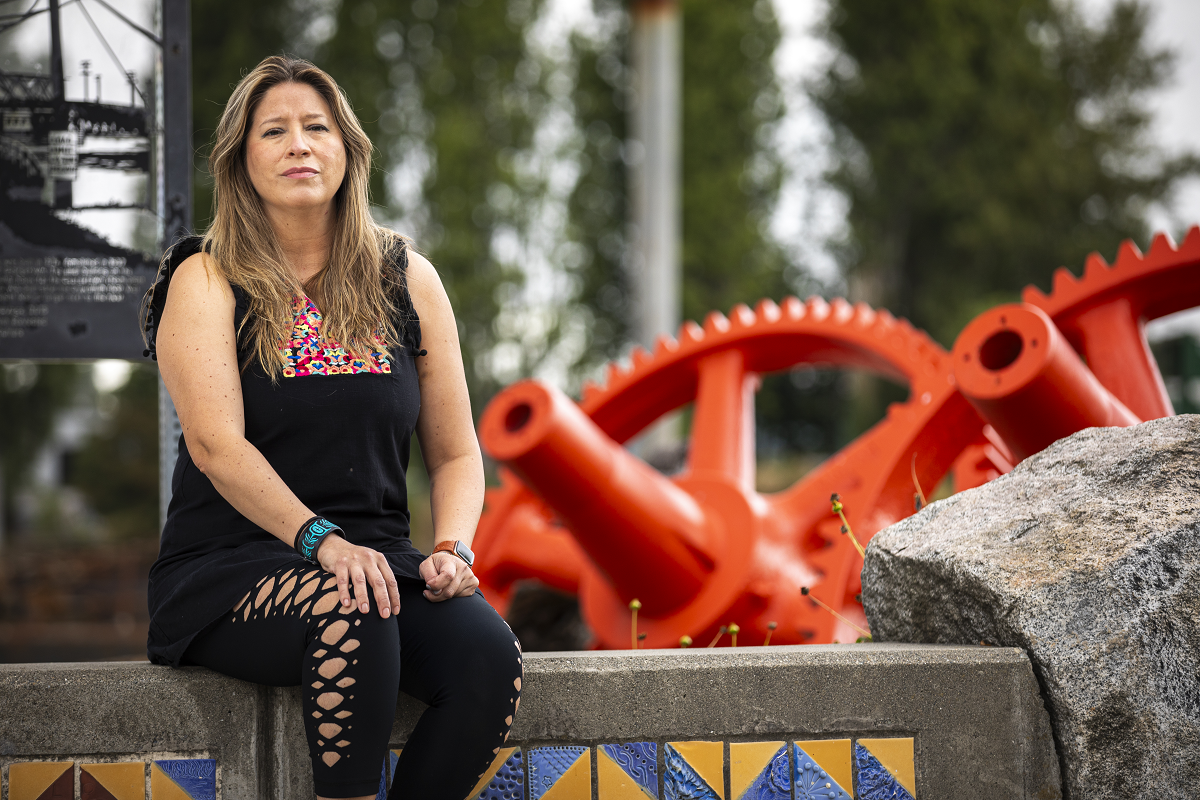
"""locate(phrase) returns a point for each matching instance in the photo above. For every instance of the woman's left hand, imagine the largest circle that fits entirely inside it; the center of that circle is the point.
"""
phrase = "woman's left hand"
(446, 575)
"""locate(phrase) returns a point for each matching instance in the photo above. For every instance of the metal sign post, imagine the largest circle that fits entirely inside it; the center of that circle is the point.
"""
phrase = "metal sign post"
(83, 183)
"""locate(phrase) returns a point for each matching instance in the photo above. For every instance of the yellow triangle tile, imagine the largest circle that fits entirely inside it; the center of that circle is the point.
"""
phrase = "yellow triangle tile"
(398, 751)
(575, 783)
(708, 759)
(27, 780)
(834, 756)
(163, 788)
(125, 781)
(614, 782)
(896, 756)
(747, 760)
(490, 772)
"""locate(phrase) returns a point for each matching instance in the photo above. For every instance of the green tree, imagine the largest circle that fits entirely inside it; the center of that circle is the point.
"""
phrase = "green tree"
(117, 467)
(31, 395)
(730, 173)
(983, 143)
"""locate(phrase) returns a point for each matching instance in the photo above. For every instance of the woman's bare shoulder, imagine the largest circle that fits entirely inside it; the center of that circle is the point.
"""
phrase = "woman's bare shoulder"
(199, 279)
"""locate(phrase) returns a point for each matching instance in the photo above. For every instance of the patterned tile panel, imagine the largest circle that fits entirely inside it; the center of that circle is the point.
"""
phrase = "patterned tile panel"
(759, 771)
(694, 771)
(183, 779)
(884, 769)
(628, 771)
(504, 779)
(822, 770)
(560, 773)
(41, 780)
(126, 781)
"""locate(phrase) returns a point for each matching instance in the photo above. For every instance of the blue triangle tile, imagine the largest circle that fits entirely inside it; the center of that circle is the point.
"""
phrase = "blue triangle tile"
(196, 776)
(874, 781)
(812, 782)
(775, 781)
(547, 765)
(681, 781)
(638, 760)
(509, 781)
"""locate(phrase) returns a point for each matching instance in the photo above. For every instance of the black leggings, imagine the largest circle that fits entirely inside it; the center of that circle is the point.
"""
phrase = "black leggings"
(459, 657)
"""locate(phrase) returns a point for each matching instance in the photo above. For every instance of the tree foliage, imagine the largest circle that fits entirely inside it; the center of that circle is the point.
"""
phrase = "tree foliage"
(983, 143)
(730, 172)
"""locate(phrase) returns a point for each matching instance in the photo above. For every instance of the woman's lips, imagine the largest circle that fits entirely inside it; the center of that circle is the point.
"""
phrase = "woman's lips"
(299, 172)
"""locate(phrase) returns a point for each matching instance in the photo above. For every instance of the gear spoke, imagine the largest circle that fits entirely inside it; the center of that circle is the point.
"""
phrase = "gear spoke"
(722, 443)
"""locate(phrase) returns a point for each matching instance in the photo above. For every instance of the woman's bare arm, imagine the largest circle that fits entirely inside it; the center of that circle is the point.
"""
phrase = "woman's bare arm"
(446, 432)
(197, 356)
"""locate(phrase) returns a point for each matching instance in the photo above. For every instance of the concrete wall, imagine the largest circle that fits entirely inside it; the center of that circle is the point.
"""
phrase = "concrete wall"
(974, 716)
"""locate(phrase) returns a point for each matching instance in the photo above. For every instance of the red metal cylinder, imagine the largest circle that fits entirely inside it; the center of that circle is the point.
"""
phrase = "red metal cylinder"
(1023, 377)
(648, 536)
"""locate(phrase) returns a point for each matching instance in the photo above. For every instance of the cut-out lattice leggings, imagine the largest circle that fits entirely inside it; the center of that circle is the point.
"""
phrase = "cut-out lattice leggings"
(458, 656)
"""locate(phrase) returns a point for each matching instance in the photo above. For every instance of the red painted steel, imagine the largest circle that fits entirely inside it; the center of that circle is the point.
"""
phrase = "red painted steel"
(702, 549)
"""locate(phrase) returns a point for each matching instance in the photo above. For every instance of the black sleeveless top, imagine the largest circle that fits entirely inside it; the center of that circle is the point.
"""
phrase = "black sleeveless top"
(336, 432)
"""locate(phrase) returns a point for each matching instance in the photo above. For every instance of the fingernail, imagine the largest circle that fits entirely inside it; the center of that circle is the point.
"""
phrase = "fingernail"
(428, 588)
(346, 602)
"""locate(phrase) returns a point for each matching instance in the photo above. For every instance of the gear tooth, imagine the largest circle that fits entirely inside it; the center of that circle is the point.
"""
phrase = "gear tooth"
(864, 314)
(817, 307)
(741, 316)
(1160, 248)
(690, 332)
(665, 344)
(767, 311)
(840, 310)
(793, 308)
(590, 390)
(884, 319)
(1033, 295)
(1064, 280)
(1094, 266)
(640, 356)
(1191, 242)
(612, 373)
(715, 322)
(1128, 255)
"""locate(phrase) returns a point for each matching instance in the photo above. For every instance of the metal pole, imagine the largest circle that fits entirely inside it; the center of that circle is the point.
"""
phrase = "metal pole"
(177, 194)
(56, 63)
(655, 177)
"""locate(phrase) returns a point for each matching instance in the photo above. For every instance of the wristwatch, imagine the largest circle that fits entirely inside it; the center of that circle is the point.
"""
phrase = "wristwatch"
(458, 548)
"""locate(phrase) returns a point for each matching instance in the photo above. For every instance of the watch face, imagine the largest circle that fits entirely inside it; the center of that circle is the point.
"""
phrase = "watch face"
(464, 552)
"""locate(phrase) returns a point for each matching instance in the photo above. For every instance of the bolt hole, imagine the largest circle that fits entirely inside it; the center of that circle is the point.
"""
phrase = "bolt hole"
(517, 417)
(1000, 350)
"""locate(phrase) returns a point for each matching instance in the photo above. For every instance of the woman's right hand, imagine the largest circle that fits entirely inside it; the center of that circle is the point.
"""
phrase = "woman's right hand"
(360, 566)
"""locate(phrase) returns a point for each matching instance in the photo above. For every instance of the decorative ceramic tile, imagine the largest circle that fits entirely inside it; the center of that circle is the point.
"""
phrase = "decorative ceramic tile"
(823, 769)
(560, 773)
(884, 768)
(627, 771)
(34, 780)
(759, 771)
(113, 781)
(694, 771)
(392, 757)
(183, 779)
(381, 792)
(504, 779)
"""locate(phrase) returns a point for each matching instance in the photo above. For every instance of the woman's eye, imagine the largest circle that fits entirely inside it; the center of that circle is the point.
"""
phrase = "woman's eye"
(273, 132)
(317, 128)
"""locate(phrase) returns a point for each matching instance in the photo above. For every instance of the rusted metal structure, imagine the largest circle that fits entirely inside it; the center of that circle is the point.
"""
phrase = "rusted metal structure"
(703, 549)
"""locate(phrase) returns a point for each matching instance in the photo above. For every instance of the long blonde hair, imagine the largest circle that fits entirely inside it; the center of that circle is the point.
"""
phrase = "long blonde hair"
(358, 293)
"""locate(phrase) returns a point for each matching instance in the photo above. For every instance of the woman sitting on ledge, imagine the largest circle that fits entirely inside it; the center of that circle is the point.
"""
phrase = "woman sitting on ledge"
(302, 345)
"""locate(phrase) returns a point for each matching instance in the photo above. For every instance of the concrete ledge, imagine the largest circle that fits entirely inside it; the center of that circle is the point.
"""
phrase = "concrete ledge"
(978, 725)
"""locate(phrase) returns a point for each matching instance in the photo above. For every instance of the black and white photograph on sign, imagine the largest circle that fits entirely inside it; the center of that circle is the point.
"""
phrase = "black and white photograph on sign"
(79, 166)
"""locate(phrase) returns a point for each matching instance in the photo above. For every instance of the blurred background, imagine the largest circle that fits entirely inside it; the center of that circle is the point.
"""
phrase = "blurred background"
(931, 157)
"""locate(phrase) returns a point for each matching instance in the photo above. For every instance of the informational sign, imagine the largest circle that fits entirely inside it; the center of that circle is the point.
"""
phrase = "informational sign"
(94, 169)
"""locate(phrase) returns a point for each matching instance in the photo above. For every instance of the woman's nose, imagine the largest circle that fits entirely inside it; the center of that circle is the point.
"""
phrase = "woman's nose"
(298, 144)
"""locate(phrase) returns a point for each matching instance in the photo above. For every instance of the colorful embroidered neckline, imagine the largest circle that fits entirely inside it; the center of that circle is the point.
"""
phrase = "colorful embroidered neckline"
(308, 354)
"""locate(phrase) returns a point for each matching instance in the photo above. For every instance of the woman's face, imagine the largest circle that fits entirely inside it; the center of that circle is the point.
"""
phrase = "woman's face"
(294, 150)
